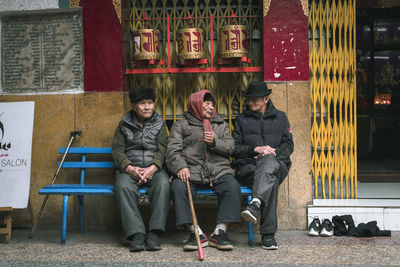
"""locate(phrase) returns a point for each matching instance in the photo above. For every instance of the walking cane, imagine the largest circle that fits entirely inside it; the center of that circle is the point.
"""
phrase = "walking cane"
(196, 232)
(52, 182)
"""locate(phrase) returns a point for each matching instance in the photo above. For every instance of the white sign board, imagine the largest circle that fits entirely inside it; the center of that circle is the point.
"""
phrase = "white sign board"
(16, 126)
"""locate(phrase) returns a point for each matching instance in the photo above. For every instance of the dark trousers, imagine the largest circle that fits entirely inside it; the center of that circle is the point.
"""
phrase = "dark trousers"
(127, 195)
(265, 180)
(227, 190)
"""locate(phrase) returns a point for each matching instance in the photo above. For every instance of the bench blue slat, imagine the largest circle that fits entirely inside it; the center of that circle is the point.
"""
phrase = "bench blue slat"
(76, 192)
(86, 150)
(60, 186)
(87, 164)
(71, 189)
(243, 190)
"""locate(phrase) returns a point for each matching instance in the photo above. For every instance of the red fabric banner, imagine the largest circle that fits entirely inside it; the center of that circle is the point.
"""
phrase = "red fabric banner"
(286, 41)
(102, 46)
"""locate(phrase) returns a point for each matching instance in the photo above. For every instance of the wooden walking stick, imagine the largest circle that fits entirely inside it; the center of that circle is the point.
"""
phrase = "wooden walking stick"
(72, 134)
(196, 232)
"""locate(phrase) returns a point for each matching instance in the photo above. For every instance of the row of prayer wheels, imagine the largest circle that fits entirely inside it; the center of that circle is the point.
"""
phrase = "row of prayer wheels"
(190, 44)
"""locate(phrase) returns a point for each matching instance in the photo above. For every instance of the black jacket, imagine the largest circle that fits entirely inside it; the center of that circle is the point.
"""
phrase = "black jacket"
(252, 130)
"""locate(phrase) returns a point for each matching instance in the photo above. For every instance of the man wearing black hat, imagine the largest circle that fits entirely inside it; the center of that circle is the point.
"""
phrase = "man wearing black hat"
(138, 150)
(263, 144)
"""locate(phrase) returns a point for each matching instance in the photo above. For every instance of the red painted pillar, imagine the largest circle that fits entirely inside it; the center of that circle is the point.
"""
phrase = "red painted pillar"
(286, 40)
(102, 46)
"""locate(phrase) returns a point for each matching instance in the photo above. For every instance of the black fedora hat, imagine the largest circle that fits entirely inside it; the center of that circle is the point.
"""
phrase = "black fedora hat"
(257, 89)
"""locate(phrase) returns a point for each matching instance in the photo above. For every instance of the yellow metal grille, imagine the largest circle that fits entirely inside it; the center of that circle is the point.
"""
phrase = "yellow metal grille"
(173, 90)
(333, 98)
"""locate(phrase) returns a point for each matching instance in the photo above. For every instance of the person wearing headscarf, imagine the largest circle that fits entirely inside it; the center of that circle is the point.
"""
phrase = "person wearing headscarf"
(199, 147)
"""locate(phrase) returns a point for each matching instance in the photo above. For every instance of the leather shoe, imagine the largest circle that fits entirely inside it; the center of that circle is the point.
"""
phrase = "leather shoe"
(153, 241)
(137, 243)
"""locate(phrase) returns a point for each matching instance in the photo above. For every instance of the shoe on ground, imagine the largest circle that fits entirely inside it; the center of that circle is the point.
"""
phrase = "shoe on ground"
(137, 243)
(315, 227)
(251, 213)
(326, 228)
(268, 242)
(190, 244)
(220, 241)
(153, 241)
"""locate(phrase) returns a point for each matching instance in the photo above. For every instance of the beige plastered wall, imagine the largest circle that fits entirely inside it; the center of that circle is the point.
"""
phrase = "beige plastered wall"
(295, 193)
(98, 114)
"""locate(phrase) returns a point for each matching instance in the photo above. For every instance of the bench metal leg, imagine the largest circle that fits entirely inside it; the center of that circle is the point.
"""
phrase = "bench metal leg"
(64, 219)
(82, 214)
(251, 238)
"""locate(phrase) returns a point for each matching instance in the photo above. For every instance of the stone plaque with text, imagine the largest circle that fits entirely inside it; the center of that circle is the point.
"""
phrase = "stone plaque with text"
(42, 52)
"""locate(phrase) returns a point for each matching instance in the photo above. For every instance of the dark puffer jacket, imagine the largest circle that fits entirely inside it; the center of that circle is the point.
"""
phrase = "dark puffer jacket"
(139, 145)
(252, 130)
(186, 148)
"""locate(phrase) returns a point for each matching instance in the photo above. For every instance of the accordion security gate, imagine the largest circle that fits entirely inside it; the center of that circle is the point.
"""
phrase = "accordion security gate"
(333, 98)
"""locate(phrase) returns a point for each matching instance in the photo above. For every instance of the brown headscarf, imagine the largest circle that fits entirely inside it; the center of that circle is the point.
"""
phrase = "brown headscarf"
(195, 107)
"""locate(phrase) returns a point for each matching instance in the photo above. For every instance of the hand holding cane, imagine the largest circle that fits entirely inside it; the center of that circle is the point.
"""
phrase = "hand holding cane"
(52, 181)
(196, 232)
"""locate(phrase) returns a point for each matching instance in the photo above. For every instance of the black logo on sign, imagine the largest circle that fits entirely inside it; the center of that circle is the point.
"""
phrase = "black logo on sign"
(3, 145)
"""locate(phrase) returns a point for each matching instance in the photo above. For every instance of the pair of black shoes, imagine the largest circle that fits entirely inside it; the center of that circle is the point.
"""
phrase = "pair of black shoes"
(316, 228)
(140, 243)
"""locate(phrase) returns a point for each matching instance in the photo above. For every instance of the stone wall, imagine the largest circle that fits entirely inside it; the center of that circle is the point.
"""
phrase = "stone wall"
(295, 193)
(14, 5)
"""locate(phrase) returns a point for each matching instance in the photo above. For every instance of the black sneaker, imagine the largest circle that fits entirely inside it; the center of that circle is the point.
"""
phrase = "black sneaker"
(268, 242)
(315, 227)
(153, 242)
(190, 244)
(137, 243)
(251, 213)
(220, 241)
(326, 228)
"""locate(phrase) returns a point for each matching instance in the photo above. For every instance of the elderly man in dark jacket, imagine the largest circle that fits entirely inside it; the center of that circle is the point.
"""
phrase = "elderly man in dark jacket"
(198, 151)
(138, 150)
(263, 144)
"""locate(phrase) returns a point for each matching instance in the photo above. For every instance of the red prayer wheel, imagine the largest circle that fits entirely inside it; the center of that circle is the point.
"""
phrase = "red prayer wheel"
(233, 41)
(190, 43)
(146, 44)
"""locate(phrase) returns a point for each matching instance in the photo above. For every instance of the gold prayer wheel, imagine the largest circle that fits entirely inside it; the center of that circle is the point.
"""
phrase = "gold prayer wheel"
(233, 41)
(190, 43)
(146, 44)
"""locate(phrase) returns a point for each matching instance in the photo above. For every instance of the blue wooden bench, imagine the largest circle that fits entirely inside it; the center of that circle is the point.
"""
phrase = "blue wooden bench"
(82, 189)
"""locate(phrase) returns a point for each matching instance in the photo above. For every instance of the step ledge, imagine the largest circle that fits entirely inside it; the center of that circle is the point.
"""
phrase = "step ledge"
(392, 203)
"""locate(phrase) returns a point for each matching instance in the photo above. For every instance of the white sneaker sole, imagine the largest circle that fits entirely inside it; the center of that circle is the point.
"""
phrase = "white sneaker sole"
(326, 233)
(312, 232)
(248, 217)
(270, 248)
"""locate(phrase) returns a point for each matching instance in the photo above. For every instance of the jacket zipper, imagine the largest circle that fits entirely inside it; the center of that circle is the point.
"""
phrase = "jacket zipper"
(261, 131)
(142, 146)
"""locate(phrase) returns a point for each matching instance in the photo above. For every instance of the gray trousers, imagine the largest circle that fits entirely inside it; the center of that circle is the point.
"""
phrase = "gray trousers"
(227, 190)
(268, 175)
(127, 195)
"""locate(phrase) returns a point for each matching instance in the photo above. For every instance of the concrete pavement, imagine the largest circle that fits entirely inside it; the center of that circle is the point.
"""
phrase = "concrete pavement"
(107, 248)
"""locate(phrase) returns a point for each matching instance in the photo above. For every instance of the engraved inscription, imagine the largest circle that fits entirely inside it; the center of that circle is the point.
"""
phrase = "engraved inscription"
(42, 53)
